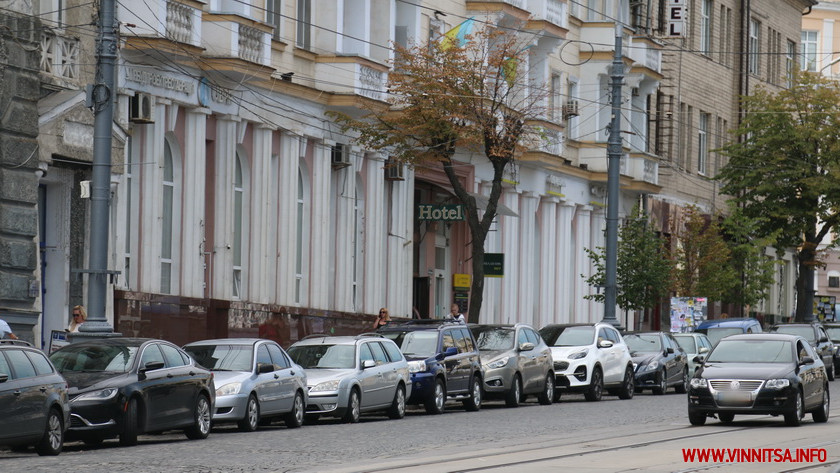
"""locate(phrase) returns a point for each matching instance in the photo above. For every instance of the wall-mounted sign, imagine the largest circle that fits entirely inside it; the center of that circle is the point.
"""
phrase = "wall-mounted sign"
(494, 265)
(675, 14)
(444, 212)
(461, 280)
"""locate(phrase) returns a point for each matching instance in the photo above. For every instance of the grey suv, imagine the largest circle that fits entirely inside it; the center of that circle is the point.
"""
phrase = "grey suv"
(517, 362)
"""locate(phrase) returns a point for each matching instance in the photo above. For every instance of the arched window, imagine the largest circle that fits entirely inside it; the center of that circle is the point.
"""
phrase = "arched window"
(167, 213)
(238, 207)
(300, 234)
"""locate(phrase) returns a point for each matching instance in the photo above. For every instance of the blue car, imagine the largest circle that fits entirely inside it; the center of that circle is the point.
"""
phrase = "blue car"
(720, 328)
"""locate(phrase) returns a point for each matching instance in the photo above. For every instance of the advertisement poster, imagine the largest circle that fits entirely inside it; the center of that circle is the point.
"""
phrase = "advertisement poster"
(687, 313)
(825, 308)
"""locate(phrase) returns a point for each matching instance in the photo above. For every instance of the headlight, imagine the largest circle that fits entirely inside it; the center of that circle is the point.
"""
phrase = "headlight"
(417, 366)
(327, 386)
(229, 389)
(499, 363)
(777, 383)
(699, 383)
(579, 355)
(653, 365)
(101, 395)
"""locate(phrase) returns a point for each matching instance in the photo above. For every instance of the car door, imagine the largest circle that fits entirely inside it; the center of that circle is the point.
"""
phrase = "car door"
(527, 360)
(156, 389)
(612, 360)
(25, 405)
(542, 358)
(369, 378)
(671, 359)
(825, 347)
(287, 378)
(386, 372)
(267, 385)
(455, 381)
(186, 384)
(811, 375)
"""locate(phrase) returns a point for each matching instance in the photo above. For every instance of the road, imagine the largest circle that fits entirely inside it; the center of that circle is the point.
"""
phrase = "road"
(646, 434)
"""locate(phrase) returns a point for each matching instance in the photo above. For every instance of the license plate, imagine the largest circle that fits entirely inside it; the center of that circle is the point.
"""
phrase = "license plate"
(734, 397)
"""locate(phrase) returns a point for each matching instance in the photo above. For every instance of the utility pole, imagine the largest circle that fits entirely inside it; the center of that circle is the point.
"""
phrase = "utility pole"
(101, 95)
(613, 175)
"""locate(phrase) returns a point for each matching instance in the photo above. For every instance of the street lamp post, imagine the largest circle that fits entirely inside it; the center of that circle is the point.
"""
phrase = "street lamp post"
(613, 176)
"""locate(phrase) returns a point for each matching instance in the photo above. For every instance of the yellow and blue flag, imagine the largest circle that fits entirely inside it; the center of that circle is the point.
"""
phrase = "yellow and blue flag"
(457, 37)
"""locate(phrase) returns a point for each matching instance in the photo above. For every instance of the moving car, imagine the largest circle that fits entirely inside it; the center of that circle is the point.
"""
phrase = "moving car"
(444, 362)
(777, 374)
(589, 358)
(717, 329)
(817, 337)
(833, 331)
(128, 386)
(347, 376)
(517, 362)
(694, 344)
(255, 379)
(659, 361)
(34, 406)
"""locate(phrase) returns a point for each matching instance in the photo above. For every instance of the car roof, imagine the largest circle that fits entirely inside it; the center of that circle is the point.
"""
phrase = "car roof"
(650, 332)
(593, 324)
(422, 324)
(511, 326)
(797, 324)
(689, 334)
(12, 342)
(229, 341)
(728, 323)
(321, 339)
(119, 341)
(765, 336)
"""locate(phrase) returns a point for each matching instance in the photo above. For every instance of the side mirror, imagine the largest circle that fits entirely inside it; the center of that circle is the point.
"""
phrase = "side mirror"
(153, 365)
(669, 350)
(368, 364)
(263, 368)
(806, 360)
(699, 358)
(527, 346)
(704, 349)
(450, 352)
(3, 377)
(823, 339)
(605, 344)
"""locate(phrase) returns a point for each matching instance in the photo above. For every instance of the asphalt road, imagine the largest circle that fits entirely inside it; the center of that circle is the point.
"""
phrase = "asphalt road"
(646, 433)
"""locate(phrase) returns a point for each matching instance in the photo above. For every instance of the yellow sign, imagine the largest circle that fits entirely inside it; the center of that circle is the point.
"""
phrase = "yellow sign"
(461, 280)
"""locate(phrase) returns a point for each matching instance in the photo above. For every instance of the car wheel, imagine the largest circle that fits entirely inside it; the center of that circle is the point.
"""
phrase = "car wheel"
(354, 408)
(251, 421)
(294, 419)
(201, 422)
(474, 402)
(682, 388)
(661, 383)
(794, 418)
(596, 387)
(514, 395)
(546, 397)
(726, 417)
(397, 409)
(628, 386)
(128, 436)
(821, 414)
(53, 438)
(436, 403)
(696, 418)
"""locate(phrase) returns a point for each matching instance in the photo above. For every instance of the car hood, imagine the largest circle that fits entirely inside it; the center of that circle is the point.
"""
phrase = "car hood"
(315, 376)
(224, 377)
(643, 357)
(746, 370)
(82, 381)
(490, 355)
(559, 353)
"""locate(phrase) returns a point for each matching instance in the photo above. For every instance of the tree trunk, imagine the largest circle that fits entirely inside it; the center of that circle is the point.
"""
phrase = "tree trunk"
(477, 288)
(805, 287)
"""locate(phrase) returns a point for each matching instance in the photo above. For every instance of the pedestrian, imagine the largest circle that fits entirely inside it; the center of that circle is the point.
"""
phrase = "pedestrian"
(383, 319)
(78, 318)
(456, 315)
(6, 331)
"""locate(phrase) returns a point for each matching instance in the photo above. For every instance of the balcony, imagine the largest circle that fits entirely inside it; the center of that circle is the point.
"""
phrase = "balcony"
(227, 36)
(159, 19)
(641, 167)
(552, 11)
(646, 54)
(60, 56)
(352, 75)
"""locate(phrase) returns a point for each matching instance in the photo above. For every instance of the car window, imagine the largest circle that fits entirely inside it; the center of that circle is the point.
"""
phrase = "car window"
(823, 334)
(494, 338)
(752, 351)
(365, 353)
(379, 355)
(468, 339)
(521, 338)
(172, 356)
(568, 336)
(716, 334)
(150, 354)
(4, 365)
(20, 364)
(802, 351)
(39, 360)
(533, 336)
(393, 352)
(278, 357)
(688, 344)
(324, 356)
(263, 357)
(643, 343)
(222, 357)
(602, 335)
(460, 342)
(448, 340)
(805, 332)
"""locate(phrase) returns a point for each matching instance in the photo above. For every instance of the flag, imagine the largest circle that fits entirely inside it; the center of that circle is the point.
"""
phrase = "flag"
(509, 66)
(457, 37)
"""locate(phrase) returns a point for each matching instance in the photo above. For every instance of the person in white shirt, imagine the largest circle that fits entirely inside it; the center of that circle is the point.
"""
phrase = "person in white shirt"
(6, 331)
(454, 313)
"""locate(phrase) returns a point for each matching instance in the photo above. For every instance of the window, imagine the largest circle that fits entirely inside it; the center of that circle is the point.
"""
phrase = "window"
(459, 341)
(21, 364)
(790, 58)
(555, 100)
(809, 51)
(394, 353)
(42, 366)
(703, 143)
(834, 281)
(725, 28)
(755, 46)
(263, 357)
(379, 355)
(166, 220)
(4, 366)
(299, 249)
(274, 17)
(304, 17)
(238, 210)
(365, 353)
(706, 27)
(150, 355)
(280, 360)
(173, 356)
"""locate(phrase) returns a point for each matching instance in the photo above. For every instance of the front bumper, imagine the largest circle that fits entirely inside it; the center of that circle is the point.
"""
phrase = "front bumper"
(760, 402)
(647, 379)
(230, 408)
(498, 380)
(329, 403)
(571, 375)
(96, 419)
(422, 387)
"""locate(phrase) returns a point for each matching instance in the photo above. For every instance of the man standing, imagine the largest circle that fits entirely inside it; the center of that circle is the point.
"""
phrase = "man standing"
(455, 315)
(6, 331)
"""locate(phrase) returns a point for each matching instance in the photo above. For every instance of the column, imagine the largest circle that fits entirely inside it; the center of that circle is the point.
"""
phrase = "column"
(527, 260)
(547, 263)
(582, 226)
(564, 297)
(399, 225)
(345, 235)
(319, 265)
(225, 160)
(375, 231)
(510, 248)
(259, 230)
(151, 195)
(287, 217)
(598, 240)
(491, 307)
(195, 170)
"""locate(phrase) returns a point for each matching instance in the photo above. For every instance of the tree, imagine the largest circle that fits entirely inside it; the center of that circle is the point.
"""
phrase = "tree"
(784, 171)
(460, 94)
(643, 270)
(703, 266)
(749, 262)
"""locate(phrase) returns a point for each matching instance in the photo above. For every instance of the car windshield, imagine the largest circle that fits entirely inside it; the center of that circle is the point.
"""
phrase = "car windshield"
(492, 338)
(751, 351)
(687, 343)
(715, 334)
(94, 358)
(643, 343)
(805, 332)
(222, 357)
(415, 343)
(324, 356)
(568, 336)
(833, 333)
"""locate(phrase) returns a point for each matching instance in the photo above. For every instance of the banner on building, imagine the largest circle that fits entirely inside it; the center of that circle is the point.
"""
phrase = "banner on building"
(687, 313)
(494, 265)
(675, 14)
(824, 308)
(442, 212)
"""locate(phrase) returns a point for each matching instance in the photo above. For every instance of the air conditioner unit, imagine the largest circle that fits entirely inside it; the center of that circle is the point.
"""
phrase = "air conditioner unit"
(340, 156)
(570, 109)
(141, 108)
(394, 171)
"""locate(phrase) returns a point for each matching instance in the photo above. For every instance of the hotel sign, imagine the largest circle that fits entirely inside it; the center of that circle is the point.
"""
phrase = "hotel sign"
(675, 15)
(443, 212)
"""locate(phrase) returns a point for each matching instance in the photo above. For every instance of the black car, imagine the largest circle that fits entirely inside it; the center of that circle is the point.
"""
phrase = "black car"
(816, 336)
(776, 374)
(832, 329)
(443, 360)
(659, 361)
(128, 386)
(34, 406)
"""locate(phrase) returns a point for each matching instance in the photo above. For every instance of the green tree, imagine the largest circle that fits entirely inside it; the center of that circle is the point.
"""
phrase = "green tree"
(784, 171)
(457, 96)
(749, 260)
(703, 266)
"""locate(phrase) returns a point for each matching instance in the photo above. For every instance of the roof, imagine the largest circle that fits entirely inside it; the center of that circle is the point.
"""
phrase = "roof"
(764, 336)
(728, 323)
(228, 341)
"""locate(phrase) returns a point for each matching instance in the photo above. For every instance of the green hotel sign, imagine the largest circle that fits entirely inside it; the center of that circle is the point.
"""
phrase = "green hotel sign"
(443, 212)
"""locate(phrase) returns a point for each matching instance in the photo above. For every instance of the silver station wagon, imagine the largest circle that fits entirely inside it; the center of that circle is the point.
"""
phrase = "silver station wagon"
(349, 375)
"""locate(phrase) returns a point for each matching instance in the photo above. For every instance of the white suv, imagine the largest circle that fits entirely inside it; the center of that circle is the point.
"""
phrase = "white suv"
(589, 358)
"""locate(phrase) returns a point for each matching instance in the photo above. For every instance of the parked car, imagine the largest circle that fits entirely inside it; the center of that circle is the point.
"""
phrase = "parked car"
(771, 373)
(589, 358)
(833, 331)
(659, 361)
(817, 337)
(123, 387)
(255, 379)
(347, 376)
(444, 361)
(517, 362)
(34, 405)
(693, 344)
(717, 329)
